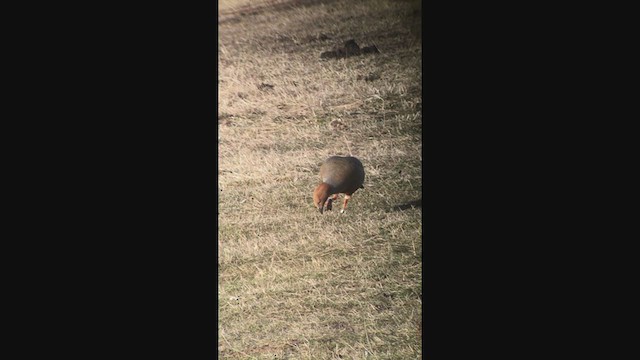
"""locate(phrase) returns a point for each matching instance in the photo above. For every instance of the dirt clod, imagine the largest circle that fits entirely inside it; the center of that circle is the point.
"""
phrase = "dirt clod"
(265, 86)
(350, 48)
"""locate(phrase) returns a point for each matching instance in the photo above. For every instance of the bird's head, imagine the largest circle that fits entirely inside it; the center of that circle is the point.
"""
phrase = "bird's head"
(320, 196)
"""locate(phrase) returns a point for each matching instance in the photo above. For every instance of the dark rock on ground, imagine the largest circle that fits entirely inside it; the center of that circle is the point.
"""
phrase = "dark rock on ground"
(265, 86)
(350, 48)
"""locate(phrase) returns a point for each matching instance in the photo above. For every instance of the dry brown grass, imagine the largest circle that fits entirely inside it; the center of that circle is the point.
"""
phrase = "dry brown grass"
(293, 283)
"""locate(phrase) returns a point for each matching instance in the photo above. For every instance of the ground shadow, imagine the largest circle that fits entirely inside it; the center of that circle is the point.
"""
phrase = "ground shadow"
(408, 205)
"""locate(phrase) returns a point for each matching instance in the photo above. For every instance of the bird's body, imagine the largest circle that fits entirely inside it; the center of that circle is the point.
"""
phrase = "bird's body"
(339, 175)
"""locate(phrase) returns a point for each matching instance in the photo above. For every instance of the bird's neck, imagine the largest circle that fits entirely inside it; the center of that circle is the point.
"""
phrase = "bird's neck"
(325, 188)
(323, 191)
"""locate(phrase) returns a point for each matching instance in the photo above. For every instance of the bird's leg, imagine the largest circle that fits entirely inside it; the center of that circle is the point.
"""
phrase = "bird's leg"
(344, 205)
(330, 201)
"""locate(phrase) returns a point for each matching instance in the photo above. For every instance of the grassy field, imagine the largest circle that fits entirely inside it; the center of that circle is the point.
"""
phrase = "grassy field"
(295, 284)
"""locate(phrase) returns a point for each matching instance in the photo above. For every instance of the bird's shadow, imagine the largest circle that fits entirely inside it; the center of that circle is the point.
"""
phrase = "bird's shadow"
(408, 205)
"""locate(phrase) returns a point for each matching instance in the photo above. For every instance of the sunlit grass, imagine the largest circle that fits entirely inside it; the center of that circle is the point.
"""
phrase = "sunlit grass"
(293, 283)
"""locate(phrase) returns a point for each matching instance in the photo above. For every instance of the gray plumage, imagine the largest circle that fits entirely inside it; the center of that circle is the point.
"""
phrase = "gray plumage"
(343, 174)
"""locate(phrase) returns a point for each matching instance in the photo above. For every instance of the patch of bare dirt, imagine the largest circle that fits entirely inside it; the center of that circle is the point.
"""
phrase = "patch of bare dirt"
(234, 15)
